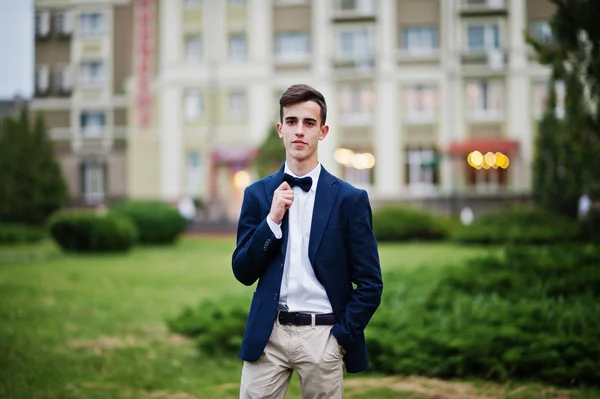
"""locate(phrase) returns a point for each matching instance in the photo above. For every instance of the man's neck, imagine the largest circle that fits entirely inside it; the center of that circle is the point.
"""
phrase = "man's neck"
(302, 168)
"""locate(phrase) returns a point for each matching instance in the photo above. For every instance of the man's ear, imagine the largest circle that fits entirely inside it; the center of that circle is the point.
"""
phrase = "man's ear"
(323, 132)
(278, 127)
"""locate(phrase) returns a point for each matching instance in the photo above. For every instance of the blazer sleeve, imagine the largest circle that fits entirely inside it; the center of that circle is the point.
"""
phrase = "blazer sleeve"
(256, 244)
(365, 272)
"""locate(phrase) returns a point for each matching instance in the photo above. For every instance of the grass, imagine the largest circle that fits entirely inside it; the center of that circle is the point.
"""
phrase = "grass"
(75, 326)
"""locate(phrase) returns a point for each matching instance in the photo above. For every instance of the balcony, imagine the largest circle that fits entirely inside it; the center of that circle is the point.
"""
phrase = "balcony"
(362, 65)
(482, 7)
(353, 10)
(490, 61)
(412, 56)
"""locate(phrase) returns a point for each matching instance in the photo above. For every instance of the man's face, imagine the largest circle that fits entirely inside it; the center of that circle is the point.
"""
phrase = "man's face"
(301, 130)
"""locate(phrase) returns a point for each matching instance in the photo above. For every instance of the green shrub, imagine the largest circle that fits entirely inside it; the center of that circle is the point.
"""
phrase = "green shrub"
(531, 314)
(517, 225)
(17, 234)
(590, 227)
(397, 223)
(157, 222)
(87, 231)
(217, 326)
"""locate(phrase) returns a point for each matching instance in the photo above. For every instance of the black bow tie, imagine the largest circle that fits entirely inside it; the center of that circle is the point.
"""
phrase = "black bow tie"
(304, 183)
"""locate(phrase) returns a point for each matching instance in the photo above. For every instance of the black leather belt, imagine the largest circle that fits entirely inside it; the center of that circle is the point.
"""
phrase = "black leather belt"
(305, 319)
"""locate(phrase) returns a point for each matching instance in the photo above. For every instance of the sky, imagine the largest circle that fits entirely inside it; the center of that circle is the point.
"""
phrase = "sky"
(16, 48)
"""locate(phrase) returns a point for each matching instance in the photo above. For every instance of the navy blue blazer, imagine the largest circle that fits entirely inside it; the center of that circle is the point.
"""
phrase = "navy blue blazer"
(342, 250)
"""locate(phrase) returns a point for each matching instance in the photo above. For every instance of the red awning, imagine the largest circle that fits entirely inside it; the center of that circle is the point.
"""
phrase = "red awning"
(483, 145)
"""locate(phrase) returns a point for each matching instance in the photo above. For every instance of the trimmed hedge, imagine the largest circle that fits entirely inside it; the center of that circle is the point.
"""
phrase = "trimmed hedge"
(217, 326)
(531, 314)
(157, 222)
(17, 234)
(518, 225)
(87, 231)
(398, 223)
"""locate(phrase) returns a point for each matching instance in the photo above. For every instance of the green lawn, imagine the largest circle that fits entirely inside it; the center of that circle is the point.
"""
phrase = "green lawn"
(74, 326)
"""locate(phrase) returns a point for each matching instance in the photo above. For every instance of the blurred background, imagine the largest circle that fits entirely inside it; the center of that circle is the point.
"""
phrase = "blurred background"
(173, 98)
(129, 130)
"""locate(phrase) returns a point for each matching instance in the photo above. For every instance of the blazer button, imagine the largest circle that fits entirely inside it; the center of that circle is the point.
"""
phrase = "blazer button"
(276, 296)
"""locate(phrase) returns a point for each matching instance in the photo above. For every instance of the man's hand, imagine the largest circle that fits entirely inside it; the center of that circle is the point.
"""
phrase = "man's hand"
(282, 200)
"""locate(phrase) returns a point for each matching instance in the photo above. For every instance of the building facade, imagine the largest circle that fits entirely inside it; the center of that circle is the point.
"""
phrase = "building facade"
(412, 87)
(83, 55)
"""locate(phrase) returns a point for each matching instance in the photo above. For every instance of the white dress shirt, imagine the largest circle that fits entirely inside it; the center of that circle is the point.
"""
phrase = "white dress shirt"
(300, 289)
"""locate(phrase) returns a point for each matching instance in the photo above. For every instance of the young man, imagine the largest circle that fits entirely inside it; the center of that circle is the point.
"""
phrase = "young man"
(306, 236)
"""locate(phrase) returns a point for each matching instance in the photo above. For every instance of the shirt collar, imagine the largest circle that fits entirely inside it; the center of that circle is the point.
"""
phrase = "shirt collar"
(314, 174)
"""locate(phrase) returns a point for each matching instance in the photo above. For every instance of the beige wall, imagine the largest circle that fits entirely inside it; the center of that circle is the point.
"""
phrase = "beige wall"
(120, 117)
(52, 52)
(292, 18)
(117, 174)
(539, 9)
(417, 12)
(57, 118)
(122, 46)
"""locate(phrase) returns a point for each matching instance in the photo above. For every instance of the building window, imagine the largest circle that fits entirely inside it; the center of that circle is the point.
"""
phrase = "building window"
(93, 181)
(237, 105)
(193, 48)
(482, 37)
(93, 123)
(194, 174)
(92, 72)
(420, 39)
(292, 46)
(421, 103)
(360, 6)
(490, 180)
(92, 24)
(42, 23)
(542, 31)
(355, 45)
(237, 46)
(42, 79)
(194, 106)
(357, 103)
(63, 81)
(193, 3)
(485, 100)
(421, 170)
(291, 1)
(63, 23)
(540, 93)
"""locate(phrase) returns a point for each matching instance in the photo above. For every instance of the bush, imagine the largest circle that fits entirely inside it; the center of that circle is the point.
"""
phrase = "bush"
(86, 231)
(157, 222)
(531, 314)
(217, 326)
(17, 234)
(396, 223)
(517, 225)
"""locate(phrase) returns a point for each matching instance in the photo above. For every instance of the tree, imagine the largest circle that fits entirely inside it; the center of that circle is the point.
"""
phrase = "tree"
(271, 154)
(31, 184)
(566, 164)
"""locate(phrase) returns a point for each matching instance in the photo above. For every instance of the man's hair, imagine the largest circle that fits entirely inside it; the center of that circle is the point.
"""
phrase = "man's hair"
(301, 93)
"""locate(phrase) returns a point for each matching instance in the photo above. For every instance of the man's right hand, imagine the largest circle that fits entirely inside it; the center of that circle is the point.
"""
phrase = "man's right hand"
(282, 201)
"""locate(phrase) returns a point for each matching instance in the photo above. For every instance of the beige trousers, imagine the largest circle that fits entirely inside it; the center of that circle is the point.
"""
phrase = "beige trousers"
(313, 352)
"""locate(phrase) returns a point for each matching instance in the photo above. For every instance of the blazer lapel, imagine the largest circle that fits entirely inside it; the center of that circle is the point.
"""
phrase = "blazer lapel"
(272, 184)
(325, 198)
(270, 187)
